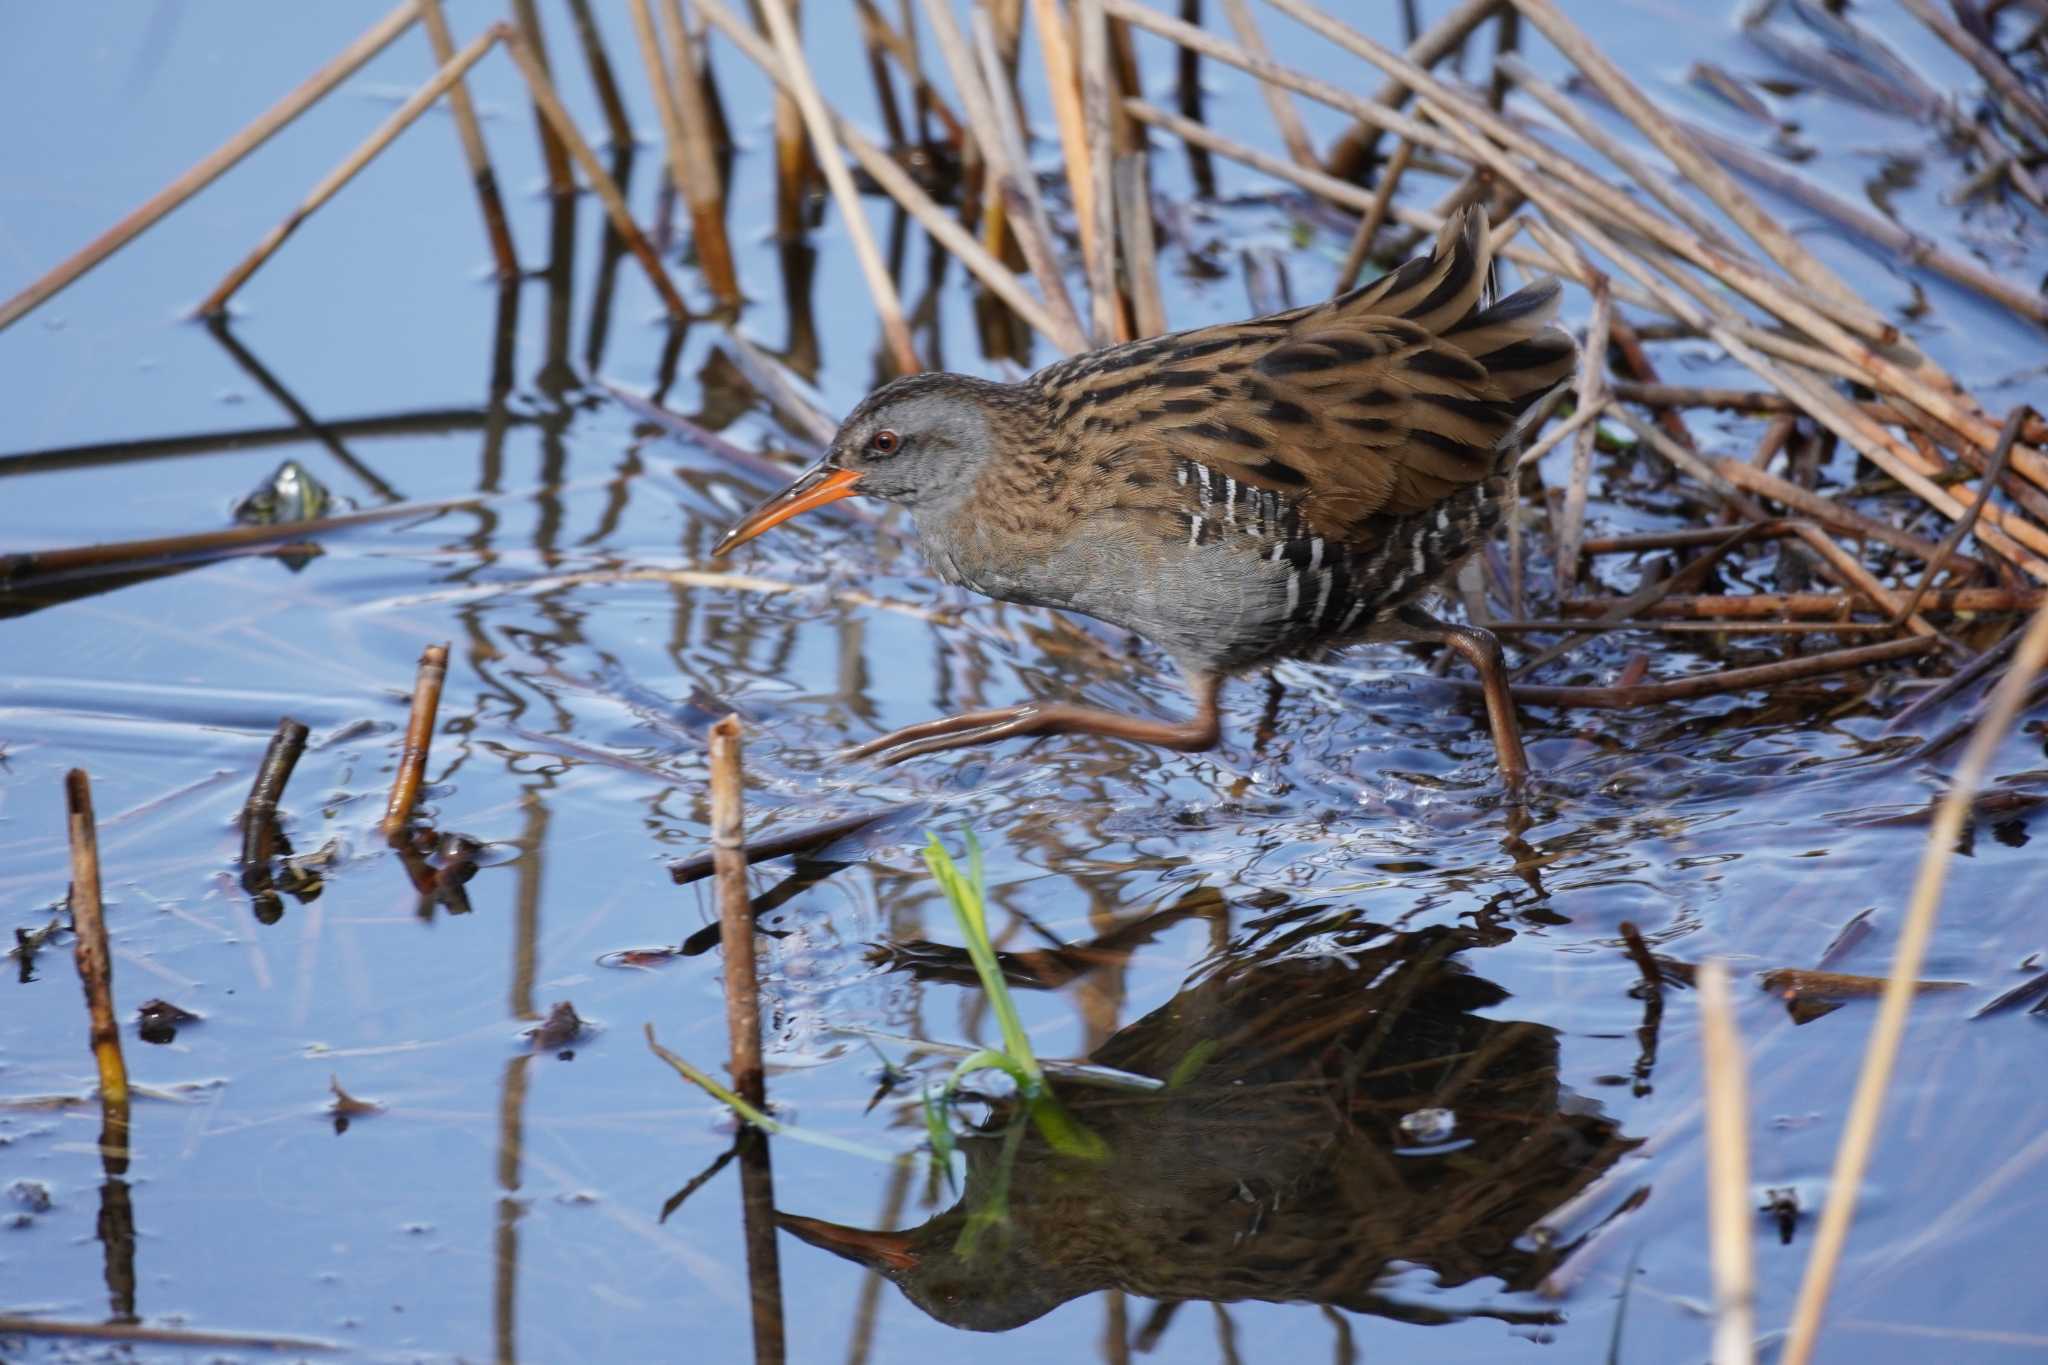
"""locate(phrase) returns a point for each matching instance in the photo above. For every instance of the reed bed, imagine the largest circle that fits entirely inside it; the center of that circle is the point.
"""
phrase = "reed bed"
(1915, 561)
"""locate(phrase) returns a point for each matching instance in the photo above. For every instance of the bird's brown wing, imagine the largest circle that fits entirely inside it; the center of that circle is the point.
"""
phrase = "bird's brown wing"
(1379, 403)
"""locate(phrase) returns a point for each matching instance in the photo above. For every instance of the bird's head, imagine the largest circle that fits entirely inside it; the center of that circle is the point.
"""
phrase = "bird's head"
(919, 440)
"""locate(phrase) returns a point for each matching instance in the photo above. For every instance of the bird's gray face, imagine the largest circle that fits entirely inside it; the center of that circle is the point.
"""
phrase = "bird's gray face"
(914, 441)
(919, 441)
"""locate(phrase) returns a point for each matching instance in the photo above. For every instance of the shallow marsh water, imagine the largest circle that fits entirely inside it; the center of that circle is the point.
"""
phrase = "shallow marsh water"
(506, 1202)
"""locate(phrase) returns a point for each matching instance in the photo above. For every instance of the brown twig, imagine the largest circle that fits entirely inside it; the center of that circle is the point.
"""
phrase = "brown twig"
(743, 1026)
(554, 152)
(1956, 532)
(1375, 216)
(443, 82)
(419, 739)
(474, 149)
(345, 64)
(259, 812)
(1811, 605)
(96, 969)
(1285, 115)
(1710, 684)
(1099, 242)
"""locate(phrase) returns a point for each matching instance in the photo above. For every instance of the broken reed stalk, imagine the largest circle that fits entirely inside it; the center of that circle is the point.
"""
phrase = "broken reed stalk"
(96, 967)
(1100, 241)
(1375, 218)
(443, 81)
(1956, 532)
(686, 870)
(1989, 64)
(743, 1026)
(1728, 1218)
(701, 122)
(345, 64)
(897, 184)
(13, 1326)
(1708, 684)
(550, 105)
(1592, 395)
(419, 739)
(554, 154)
(602, 80)
(735, 910)
(1814, 605)
(693, 165)
(1442, 38)
(1063, 86)
(795, 168)
(1140, 249)
(259, 812)
(1285, 116)
(497, 228)
(1860, 1132)
(825, 147)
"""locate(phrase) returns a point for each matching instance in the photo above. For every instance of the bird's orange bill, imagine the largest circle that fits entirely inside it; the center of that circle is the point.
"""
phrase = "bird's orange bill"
(815, 487)
(883, 1251)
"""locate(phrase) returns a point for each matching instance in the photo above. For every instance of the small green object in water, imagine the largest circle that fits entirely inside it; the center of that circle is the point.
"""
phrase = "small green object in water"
(290, 494)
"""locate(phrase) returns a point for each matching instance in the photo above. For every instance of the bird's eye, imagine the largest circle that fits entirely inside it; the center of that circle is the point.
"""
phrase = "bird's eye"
(884, 442)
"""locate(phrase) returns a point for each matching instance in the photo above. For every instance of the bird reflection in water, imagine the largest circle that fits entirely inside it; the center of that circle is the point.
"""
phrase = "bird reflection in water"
(1290, 1159)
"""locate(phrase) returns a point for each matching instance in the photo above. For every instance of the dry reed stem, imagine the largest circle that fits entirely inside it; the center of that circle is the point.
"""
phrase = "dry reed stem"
(1141, 250)
(1709, 684)
(419, 740)
(1847, 570)
(1829, 605)
(1592, 395)
(554, 151)
(735, 910)
(1909, 246)
(1600, 140)
(1779, 244)
(1374, 218)
(1859, 1136)
(557, 117)
(95, 965)
(896, 182)
(1827, 407)
(1729, 1228)
(825, 148)
(686, 870)
(794, 166)
(1429, 47)
(602, 80)
(1063, 85)
(259, 812)
(497, 228)
(448, 78)
(992, 119)
(1100, 242)
(209, 168)
(693, 166)
(1962, 528)
(1285, 115)
(1558, 434)
(1747, 476)
(1989, 64)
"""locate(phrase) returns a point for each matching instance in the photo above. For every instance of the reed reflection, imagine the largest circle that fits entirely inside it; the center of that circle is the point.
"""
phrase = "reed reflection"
(1323, 1120)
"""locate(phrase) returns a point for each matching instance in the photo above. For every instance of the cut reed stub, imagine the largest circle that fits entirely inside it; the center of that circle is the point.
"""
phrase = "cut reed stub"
(419, 738)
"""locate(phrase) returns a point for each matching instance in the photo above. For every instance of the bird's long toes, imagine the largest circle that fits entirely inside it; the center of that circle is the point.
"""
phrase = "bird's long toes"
(966, 738)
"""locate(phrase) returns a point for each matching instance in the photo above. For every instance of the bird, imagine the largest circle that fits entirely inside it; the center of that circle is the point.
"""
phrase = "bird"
(1238, 494)
(1286, 1159)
